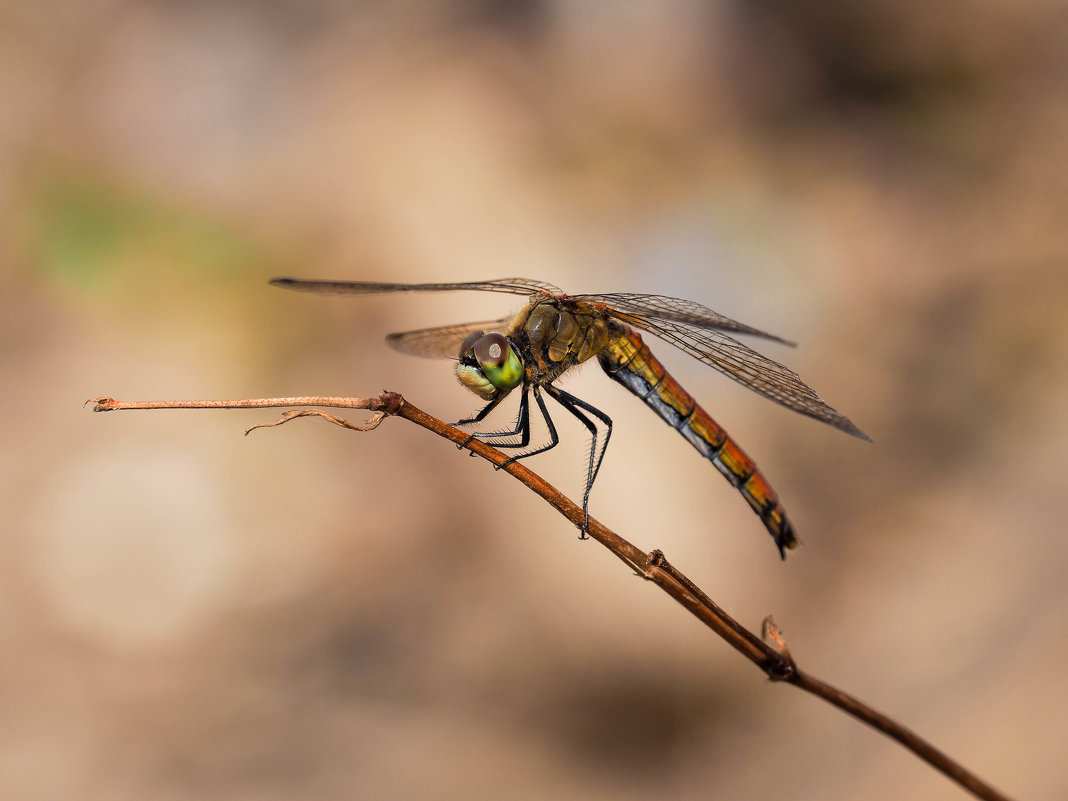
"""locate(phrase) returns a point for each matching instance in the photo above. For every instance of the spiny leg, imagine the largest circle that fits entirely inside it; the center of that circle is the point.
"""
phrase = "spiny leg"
(573, 404)
(604, 418)
(522, 425)
(589, 470)
(554, 439)
(478, 418)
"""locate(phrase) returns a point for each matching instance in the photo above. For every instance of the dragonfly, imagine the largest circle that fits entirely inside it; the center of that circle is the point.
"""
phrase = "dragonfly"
(556, 332)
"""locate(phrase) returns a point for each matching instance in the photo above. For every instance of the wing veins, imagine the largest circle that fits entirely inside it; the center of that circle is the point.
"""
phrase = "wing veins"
(626, 305)
(749, 368)
(513, 286)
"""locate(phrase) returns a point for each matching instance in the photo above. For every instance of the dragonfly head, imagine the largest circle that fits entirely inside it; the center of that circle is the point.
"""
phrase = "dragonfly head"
(489, 365)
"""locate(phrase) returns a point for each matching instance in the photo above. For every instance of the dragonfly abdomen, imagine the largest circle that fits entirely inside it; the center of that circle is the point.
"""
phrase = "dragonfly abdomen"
(629, 361)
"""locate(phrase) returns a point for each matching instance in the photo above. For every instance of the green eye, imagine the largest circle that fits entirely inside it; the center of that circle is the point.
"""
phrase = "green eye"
(499, 361)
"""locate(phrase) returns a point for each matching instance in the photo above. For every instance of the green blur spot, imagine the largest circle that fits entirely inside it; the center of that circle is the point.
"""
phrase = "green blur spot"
(95, 235)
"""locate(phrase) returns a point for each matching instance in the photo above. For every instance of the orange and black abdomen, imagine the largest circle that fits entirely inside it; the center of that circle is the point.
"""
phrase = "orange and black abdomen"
(629, 361)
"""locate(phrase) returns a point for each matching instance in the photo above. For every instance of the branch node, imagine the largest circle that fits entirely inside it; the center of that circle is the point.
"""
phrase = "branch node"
(782, 669)
(387, 402)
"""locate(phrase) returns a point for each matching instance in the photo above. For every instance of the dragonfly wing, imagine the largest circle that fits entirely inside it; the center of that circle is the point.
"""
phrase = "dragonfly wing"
(513, 286)
(675, 310)
(442, 342)
(746, 366)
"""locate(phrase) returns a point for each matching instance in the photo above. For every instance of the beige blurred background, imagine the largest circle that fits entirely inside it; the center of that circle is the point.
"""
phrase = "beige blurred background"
(186, 613)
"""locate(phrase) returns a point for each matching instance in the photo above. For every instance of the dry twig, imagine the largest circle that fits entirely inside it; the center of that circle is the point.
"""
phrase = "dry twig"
(769, 652)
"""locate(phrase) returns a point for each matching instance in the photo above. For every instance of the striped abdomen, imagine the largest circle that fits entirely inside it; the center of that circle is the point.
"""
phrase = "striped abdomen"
(629, 361)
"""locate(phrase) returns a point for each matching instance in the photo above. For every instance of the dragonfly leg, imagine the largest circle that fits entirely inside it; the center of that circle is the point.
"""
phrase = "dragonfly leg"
(478, 418)
(554, 439)
(489, 407)
(522, 426)
(573, 405)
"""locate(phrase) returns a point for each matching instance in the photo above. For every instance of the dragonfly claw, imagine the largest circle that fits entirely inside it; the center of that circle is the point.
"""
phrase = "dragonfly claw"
(585, 527)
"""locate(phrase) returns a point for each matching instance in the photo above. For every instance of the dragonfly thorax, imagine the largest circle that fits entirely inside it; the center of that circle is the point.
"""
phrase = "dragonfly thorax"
(560, 338)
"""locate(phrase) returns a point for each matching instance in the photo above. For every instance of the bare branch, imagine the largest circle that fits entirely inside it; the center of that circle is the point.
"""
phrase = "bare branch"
(769, 652)
(383, 402)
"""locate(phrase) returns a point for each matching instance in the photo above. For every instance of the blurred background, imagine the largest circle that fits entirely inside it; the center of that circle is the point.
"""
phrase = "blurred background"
(311, 612)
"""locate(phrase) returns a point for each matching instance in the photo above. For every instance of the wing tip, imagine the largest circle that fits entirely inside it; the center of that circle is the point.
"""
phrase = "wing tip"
(851, 428)
(318, 286)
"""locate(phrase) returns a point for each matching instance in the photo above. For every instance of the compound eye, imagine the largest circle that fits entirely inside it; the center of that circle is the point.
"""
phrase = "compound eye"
(470, 342)
(492, 350)
(499, 361)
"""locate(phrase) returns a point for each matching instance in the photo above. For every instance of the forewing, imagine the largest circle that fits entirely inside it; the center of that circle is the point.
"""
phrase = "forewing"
(746, 366)
(675, 310)
(513, 286)
(442, 342)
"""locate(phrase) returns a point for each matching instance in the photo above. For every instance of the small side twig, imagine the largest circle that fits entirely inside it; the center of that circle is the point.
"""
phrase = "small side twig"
(769, 652)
